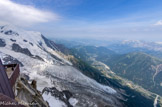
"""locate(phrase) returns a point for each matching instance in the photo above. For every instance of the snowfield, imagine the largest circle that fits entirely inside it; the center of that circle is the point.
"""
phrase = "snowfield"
(53, 102)
(50, 69)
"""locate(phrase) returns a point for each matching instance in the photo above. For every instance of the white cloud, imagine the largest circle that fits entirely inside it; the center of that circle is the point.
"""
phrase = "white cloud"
(158, 23)
(23, 15)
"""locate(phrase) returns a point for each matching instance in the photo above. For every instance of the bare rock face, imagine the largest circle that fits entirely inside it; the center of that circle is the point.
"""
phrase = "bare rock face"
(10, 32)
(27, 94)
(18, 48)
(61, 95)
(49, 43)
(13, 40)
(2, 43)
(11, 60)
(34, 84)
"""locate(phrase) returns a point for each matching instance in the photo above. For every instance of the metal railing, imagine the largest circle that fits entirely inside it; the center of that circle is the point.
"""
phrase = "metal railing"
(14, 75)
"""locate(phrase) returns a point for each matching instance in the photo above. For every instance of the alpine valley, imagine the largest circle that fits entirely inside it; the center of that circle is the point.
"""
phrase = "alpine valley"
(132, 63)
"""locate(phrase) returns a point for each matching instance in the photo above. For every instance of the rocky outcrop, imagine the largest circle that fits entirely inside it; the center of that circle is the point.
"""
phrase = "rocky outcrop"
(27, 94)
(25, 40)
(49, 43)
(10, 32)
(2, 43)
(13, 40)
(64, 95)
(18, 48)
(31, 43)
(9, 59)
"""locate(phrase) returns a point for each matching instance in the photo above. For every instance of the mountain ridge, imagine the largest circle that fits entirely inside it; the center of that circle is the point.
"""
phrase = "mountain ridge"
(41, 61)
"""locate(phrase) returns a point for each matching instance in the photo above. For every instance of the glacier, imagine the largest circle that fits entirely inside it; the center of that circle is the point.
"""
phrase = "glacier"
(42, 62)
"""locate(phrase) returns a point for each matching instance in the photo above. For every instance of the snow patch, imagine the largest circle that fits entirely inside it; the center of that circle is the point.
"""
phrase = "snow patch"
(73, 101)
(53, 102)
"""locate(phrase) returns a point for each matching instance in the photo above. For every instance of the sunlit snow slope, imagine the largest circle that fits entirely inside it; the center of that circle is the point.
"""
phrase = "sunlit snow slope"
(40, 60)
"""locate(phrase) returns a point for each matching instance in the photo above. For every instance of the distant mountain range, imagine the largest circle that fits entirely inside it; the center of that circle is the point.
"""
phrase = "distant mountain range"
(152, 48)
(137, 61)
(118, 46)
(139, 67)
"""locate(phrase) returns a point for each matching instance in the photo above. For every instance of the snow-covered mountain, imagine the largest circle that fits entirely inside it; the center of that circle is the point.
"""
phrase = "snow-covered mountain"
(41, 59)
(156, 46)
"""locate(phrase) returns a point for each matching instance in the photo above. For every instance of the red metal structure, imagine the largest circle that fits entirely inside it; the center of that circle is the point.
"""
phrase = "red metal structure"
(8, 76)
(5, 86)
(14, 73)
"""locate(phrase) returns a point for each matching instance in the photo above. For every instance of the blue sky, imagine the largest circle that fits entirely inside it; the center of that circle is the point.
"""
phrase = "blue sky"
(95, 19)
